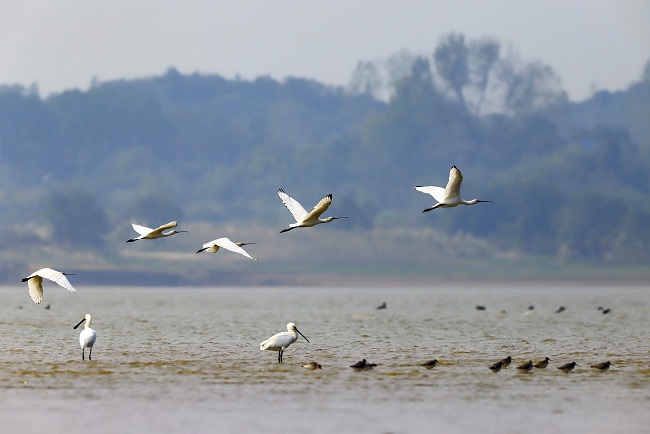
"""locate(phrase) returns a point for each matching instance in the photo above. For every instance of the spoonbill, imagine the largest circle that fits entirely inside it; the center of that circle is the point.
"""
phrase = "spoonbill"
(304, 219)
(214, 246)
(449, 196)
(151, 234)
(35, 282)
(87, 337)
(280, 341)
(312, 365)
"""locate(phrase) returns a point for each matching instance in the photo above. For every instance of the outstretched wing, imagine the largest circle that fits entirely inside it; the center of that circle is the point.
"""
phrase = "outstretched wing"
(229, 245)
(452, 190)
(320, 208)
(57, 277)
(35, 289)
(438, 193)
(297, 211)
(142, 230)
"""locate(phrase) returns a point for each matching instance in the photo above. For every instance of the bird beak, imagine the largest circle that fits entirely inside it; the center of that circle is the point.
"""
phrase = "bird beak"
(302, 335)
(199, 251)
(79, 323)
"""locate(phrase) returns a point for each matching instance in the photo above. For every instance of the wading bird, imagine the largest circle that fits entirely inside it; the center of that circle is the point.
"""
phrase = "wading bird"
(602, 366)
(526, 366)
(449, 196)
(303, 218)
(280, 341)
(567, 367)
(35, 282)
(214, 245)
(362, 365)
(496, 367)
(312, 365)
(430, 364)
(542, 363)
(87, 337)
(151, 234)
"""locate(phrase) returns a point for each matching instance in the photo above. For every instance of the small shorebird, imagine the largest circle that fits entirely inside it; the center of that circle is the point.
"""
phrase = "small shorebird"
(560, 309)
(480, 307)
(567, 367)
(602, 366)
(280, 341)
(87, 337)
(312, 366)
(526, 366)
(381, 306)
(506, 362)
(497, 366)
(362, 365)
(430, 364)
(542, 363)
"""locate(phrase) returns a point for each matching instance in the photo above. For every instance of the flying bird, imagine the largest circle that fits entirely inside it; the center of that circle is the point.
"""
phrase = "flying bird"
(35, 282)
(87, 337)
(214, 246)
(303, 218)
(280, 341)
(151, 234)
(449, 196)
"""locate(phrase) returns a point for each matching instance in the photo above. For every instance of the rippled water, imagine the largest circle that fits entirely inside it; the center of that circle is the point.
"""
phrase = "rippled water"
(181, 360)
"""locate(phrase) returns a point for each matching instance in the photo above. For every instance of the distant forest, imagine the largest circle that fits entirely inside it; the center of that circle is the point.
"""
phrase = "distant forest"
(569, 179)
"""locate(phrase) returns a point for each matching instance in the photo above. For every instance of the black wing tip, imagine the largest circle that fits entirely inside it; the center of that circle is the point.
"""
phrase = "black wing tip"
(130, 241)
(281, 190)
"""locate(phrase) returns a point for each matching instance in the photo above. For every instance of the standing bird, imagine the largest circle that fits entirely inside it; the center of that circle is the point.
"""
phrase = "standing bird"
(526, 366)
(312, 365)
(497, 366)
(602, 366)
(280, 341)
(430, 364)
(151, 234)
(214, 245)
(567, 367)
(87, 336)
(362, 365)
(35, 282)
(506, 362)
(449, 196)
(542, 363)
(304, 219)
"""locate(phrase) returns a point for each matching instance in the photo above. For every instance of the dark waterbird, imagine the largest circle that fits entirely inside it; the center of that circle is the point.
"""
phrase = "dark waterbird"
(496, 367)
(526, 366)
(363, 365)
(542, 363)
(602, 366)
(381, 306)
(506, 362)
(430, 364)
(560, 309)
(567, 367)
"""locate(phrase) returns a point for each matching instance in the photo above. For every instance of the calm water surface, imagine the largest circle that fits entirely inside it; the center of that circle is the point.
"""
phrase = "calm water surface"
(182, 359)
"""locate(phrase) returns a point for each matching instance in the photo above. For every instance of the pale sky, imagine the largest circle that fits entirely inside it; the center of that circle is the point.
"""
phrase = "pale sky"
(63, 44)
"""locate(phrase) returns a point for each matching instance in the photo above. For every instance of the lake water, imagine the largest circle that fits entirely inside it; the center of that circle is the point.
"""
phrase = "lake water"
(175, 360)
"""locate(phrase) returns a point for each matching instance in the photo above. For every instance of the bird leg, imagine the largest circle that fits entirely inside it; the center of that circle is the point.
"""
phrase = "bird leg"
(280, 356)
(82, 354)
(90, 354)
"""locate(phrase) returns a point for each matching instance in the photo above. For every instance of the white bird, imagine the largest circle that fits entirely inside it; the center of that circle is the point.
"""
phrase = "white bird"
(35, 282)
(87, 337)
(449, 196)
(280, 341)
(214, 246)
(304, 219)
(151, 234)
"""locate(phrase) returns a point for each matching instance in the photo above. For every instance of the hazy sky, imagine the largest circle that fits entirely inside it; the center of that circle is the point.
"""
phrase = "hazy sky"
(62, 44)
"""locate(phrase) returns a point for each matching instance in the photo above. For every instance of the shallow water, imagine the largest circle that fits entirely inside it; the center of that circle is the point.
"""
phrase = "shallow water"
(180, 359)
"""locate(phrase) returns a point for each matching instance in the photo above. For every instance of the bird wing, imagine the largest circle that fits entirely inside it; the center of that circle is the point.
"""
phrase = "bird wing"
(56, 276)
(166, 226)
(35, 289)
(438, 193)
(229, 245)
(320, 208)
(452, 190)
(294, 207)
(142, 230)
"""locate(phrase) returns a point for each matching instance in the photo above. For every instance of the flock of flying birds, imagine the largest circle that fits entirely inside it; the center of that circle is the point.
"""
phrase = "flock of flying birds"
(447, 197)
